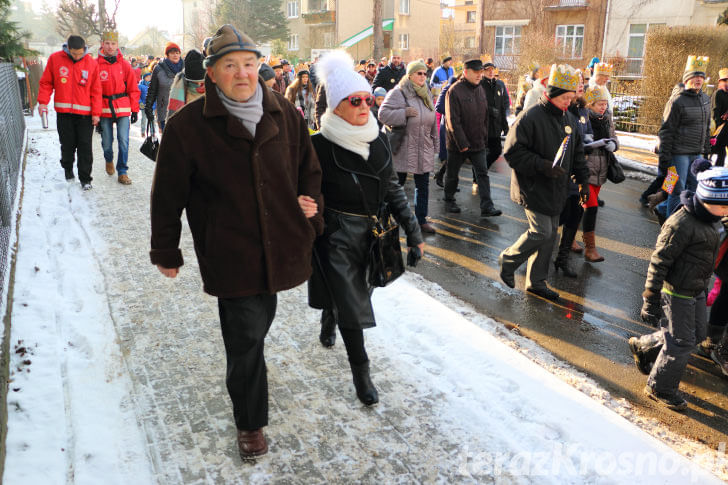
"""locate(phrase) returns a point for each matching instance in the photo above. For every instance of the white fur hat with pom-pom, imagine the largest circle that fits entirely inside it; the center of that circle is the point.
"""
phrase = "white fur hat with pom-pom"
(336, 70)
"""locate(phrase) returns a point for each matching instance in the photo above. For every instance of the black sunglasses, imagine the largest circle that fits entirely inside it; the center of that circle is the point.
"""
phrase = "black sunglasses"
(357, 100)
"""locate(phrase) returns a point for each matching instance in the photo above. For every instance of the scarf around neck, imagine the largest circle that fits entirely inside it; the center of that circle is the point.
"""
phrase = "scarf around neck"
(420, 91)
(249, 113)
(174, 67)
(353, 138)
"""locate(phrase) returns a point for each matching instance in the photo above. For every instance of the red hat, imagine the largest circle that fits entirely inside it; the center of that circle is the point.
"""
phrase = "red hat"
(171, 46)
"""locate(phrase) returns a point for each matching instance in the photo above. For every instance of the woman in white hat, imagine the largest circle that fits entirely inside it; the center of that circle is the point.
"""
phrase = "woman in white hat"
(357, 180)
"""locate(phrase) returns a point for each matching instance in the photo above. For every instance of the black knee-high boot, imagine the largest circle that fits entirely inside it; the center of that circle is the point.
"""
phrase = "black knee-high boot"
(359, 362)
(562, 259)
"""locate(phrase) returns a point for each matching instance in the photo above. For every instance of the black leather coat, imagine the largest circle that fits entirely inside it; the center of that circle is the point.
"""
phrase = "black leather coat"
(340, 257)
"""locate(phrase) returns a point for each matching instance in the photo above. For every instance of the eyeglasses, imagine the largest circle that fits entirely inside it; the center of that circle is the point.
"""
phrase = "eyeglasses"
(357, 100)
(421, 73)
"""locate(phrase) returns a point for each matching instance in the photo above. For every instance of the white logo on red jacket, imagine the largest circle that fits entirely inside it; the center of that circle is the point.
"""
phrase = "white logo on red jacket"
(104, 75)
(63, 71)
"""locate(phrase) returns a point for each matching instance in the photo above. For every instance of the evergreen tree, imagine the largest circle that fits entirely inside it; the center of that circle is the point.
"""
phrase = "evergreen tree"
(262, 20)
(12, 39)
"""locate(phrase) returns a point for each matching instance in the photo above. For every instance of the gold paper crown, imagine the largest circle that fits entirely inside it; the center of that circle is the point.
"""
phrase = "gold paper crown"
(723, 73)
(697, 64)
(111, 36)
(603, 68)
(563, 76)
(596, 93)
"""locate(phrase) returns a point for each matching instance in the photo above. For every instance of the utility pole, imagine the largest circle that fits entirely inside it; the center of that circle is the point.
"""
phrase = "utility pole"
(479, 19)
(378, 32)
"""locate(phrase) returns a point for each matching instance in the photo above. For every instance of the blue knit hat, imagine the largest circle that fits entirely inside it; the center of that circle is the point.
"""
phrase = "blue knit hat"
(380, 91)
(713, 186)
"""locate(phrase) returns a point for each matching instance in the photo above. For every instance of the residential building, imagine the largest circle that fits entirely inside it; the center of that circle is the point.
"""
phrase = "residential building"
(322, 25)
(577, 27)
(629, 21)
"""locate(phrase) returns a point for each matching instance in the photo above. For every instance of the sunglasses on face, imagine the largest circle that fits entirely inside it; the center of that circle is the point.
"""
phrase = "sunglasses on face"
(421, 73)
(356, 101)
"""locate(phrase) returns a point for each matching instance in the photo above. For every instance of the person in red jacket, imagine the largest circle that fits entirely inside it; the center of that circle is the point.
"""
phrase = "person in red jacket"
(73, 74)
(120, 103)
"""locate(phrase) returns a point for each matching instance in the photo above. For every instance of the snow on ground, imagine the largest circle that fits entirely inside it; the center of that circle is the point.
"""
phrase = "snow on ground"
(70, 414)
(521, 415)
(510, 392)
(632, 140)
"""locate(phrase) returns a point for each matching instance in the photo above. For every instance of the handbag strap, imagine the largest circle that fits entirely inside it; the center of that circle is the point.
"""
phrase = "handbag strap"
(150, 127)
(373, 219)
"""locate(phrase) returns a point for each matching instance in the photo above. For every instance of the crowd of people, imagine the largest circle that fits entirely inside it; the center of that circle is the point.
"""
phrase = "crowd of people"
(283, 173)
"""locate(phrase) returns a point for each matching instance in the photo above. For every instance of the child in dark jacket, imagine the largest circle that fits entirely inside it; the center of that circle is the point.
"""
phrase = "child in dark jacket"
(680, 268)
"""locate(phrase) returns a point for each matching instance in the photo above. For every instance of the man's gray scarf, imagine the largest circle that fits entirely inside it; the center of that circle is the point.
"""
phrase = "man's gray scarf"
(249, 113)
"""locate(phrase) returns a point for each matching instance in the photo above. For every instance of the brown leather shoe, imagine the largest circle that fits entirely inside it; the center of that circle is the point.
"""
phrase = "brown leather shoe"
(110, 168)
(124, 179)
(251, 443)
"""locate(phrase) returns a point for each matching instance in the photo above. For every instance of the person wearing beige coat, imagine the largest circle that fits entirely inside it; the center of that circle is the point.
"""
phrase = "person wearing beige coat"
(409, 105)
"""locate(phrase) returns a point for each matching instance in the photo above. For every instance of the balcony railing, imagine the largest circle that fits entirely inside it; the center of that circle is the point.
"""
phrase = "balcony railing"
(319, 17)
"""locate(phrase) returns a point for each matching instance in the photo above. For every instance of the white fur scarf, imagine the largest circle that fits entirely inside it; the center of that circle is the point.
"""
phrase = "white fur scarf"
(353, 138)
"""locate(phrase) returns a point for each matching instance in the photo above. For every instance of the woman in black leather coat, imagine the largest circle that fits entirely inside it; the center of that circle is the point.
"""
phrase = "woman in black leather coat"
(350, 147)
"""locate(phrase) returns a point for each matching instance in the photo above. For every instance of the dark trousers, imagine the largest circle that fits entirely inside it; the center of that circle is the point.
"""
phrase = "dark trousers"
(683, 327)
(455, 160)
(245, 322)
(720, 147)
(74, 133)
(495, 148)
(570, 216)
(422, 193)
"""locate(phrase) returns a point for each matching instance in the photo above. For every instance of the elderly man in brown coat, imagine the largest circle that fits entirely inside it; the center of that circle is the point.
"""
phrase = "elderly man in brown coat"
(240, 162)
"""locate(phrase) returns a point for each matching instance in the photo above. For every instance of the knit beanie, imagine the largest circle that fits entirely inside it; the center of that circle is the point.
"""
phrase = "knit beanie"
(170, 47)
(553, 91)
(380, 91)
(340, 79)
(713, 186)
(193, 66)
(415, 66)
(266, 72)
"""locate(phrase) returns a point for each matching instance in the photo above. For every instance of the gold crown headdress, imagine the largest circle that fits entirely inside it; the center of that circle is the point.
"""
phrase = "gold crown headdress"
(563, 76)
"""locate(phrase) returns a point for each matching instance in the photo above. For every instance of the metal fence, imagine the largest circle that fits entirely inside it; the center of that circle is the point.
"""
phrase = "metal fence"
(12, 129)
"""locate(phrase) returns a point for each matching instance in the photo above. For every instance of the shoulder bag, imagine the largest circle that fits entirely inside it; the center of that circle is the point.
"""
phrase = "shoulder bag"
(150, 147)
(384, 262)
(395, 134)
(615, 172)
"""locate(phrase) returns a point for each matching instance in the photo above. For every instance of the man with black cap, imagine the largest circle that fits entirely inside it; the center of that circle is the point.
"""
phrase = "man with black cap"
(497, 96)
(466, 120)
(390, 75)
(240, 163)
(188, 84)
(544, 148)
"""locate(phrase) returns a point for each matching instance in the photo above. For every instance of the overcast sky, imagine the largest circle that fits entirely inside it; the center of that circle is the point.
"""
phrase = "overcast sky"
(134, 15)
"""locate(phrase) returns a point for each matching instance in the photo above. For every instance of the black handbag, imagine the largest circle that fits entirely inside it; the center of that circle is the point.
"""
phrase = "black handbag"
(385, 263)
(150, 147)
(395, 134)
(615, 172)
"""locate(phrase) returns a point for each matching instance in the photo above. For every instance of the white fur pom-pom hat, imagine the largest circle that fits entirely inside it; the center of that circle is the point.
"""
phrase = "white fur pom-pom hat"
(336, 70)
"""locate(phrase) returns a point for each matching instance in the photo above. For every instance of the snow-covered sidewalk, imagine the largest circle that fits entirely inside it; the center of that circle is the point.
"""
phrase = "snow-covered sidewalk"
(118, 374)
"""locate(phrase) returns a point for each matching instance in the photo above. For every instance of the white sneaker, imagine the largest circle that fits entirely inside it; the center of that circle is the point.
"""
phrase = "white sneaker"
(86, 186)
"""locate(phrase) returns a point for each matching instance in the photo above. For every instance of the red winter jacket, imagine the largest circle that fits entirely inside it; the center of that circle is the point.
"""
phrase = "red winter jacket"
(119, 87)
(76, 84)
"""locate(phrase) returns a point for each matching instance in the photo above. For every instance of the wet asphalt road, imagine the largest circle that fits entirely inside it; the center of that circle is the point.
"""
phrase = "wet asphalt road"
(598, 311)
